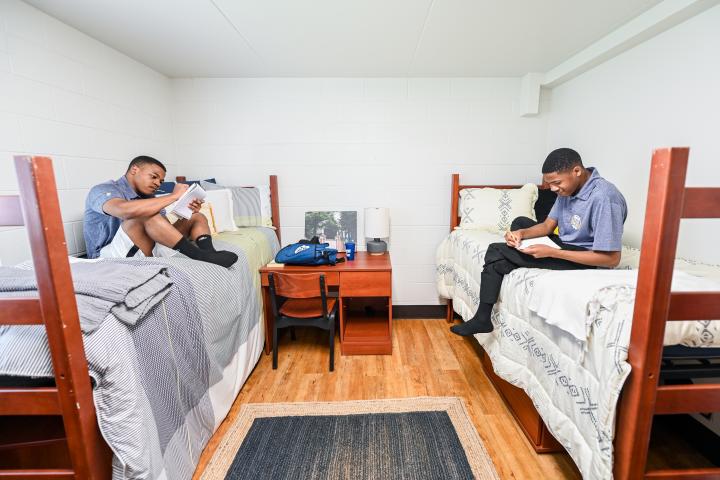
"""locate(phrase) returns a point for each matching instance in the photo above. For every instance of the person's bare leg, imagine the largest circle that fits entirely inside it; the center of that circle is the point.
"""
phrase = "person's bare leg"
(197, 229)
(159, 230)
(135, 229)
(194, 227)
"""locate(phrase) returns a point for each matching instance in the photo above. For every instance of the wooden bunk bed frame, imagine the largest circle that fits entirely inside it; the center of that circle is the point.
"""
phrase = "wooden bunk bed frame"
(80, 444)
(37, 208)
(669, 200)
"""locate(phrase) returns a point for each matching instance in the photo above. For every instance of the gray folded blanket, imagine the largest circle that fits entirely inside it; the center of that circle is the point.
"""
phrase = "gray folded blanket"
(101, 288)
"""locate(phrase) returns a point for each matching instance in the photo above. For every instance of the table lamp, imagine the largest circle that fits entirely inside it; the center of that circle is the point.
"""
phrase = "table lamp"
(377, 226)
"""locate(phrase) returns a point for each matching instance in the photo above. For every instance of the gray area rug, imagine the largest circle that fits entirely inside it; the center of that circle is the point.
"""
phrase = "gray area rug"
(412, 438)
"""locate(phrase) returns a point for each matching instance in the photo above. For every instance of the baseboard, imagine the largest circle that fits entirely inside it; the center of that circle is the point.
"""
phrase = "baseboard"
(419, 311)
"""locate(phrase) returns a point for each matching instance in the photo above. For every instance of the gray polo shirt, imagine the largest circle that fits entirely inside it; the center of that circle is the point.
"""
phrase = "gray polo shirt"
(592, 218)
(99, 228)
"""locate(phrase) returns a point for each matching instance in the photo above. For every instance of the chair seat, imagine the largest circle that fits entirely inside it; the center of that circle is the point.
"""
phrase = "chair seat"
(305, 307)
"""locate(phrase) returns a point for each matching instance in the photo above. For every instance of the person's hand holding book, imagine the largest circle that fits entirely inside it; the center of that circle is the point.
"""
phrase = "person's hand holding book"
(513, 239)
(195, 205)
(179, 190)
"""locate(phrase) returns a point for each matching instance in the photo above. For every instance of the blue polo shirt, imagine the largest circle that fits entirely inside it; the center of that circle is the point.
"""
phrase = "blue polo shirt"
(592, 218)
(99, 228)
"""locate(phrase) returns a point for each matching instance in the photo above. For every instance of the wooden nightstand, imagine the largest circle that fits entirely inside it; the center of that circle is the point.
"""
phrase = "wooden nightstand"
(364, 288)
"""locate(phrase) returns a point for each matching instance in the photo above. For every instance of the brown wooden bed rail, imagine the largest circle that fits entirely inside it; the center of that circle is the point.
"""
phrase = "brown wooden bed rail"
(668, 201)
(54, 307)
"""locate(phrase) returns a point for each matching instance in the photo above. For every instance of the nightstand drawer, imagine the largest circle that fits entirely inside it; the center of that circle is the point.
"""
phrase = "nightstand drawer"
(365, 284)
(331, 278)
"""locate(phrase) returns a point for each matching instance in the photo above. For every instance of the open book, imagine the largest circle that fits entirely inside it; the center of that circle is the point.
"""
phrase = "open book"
(526, 242)
(195, 192)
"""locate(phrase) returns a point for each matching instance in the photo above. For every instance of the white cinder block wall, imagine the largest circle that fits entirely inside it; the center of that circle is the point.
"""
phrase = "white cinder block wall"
(342, 143)
(351, 143)
(67, 96)
(663, 92)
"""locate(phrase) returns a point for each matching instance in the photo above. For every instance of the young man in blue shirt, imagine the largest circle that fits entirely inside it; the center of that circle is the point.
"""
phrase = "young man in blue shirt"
(589, 212)
(124, 218)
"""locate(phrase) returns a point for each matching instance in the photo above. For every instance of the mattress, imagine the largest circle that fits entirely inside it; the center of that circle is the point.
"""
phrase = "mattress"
(459, 262)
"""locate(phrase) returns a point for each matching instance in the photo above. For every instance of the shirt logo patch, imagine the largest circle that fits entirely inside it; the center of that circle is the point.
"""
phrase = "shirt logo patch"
(576, 221)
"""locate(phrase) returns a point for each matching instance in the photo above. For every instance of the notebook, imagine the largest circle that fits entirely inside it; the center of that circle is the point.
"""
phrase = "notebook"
(181, 208)
(526, 242)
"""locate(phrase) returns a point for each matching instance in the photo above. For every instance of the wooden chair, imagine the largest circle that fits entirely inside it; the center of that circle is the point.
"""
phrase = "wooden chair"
(37, 208)
(301, 299)
(642, 398)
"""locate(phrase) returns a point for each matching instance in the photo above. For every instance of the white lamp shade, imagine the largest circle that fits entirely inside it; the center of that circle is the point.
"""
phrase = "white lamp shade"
(377, 223)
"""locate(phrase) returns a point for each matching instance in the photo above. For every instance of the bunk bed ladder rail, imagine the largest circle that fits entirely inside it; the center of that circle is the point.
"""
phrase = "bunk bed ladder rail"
(668, 201)
(37, 208)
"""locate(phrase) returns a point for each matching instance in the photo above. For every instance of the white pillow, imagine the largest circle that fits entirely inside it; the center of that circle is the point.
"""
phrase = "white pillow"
(221, 204)
(265, 205)
(494, 209)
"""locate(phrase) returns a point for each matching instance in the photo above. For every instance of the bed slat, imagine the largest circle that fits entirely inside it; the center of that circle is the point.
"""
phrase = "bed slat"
(30, 401)
(694, 306)
(701, 203)
(686, 474)
(20, 311)
(54, 474)
(702, 397)
(10, 211)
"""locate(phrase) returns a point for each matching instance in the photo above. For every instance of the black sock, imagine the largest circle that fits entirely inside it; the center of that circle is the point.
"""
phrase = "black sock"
(479, 323)
(223, 258)
(204, 242)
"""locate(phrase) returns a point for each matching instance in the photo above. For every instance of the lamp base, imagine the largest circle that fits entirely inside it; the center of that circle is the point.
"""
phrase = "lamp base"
(376, 247)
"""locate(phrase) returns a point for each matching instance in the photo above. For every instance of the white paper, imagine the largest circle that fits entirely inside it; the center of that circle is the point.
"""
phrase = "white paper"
(526, 242)
(181, 208)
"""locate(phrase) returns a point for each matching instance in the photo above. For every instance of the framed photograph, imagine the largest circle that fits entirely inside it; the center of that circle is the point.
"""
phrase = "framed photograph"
(333, 227)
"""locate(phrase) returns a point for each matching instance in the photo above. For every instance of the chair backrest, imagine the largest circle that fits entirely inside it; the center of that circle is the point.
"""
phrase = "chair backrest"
(298, 285)
(303, 286)
(37, 208)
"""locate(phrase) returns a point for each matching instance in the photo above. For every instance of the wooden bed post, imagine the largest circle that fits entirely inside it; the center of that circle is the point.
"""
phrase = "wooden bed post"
(659, 243)
(455, 198)
(275, 205)
(55, 307)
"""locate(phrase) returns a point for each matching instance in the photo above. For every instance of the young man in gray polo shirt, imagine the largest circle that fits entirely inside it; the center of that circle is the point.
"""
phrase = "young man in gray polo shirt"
(589, 212)
(124, 218)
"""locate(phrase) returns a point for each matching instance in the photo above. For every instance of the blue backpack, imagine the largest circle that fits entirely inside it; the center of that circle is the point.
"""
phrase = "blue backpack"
(307, 253)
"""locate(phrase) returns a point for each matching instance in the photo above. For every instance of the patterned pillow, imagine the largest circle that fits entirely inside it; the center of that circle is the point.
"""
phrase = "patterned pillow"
(494, 209)
(251, 205)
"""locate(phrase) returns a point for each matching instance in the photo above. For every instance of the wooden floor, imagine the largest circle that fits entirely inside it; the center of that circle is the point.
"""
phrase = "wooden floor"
(427, 360)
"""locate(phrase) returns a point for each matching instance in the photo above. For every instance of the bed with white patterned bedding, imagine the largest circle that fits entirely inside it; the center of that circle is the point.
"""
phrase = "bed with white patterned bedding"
(574, 383)
(162, 386)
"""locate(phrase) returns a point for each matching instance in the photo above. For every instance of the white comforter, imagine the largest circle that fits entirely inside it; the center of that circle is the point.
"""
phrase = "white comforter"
(572, 368)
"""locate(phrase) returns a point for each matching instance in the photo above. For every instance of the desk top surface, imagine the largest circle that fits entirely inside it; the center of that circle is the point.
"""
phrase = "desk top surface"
(364, 262)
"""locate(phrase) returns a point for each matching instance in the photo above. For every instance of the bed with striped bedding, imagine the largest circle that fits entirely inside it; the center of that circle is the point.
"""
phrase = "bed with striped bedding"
(164, 385)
